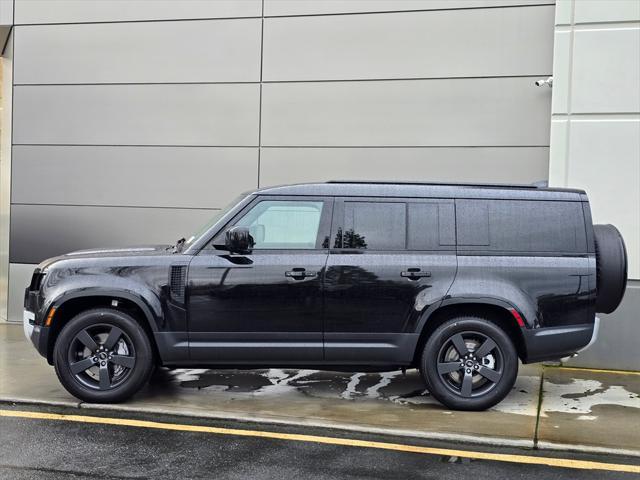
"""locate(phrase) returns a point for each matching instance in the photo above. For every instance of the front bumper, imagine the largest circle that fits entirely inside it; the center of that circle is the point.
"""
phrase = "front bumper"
(554, 343)
(37, 334)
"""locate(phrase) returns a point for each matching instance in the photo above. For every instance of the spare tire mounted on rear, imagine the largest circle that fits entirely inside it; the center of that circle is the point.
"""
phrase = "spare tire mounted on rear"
(611, 267)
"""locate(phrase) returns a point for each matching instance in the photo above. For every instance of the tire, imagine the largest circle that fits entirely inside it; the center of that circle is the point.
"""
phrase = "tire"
(103, 356)
(482, 382)
(611, 267)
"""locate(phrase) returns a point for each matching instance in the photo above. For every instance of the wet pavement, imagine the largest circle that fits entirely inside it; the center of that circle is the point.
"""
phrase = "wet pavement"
(38, 444)
(580, 409)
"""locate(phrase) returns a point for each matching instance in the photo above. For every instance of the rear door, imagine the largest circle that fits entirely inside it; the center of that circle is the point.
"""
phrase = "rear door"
(390, 260)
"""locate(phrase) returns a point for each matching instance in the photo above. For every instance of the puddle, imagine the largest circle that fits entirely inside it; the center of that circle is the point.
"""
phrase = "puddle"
(406, 390)
(580, 396)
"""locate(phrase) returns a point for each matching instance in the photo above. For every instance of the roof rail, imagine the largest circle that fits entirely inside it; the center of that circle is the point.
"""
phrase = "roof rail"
(445, 184)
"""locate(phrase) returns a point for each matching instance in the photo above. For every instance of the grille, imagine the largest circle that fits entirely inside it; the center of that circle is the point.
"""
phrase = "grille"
(176, 282)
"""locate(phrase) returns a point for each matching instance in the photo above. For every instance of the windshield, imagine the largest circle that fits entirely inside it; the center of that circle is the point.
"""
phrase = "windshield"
(212, 221)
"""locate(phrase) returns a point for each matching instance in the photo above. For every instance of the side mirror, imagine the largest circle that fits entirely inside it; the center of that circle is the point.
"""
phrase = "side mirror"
(239, 240)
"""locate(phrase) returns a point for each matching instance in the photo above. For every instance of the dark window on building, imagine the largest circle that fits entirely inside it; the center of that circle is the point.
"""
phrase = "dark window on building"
(520, 226)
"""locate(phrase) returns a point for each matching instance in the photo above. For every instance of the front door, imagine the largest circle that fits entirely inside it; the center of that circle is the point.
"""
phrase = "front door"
(265, 306)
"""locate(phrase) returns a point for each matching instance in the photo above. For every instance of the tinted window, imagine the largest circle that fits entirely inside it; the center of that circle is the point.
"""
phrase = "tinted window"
(431, 226)
(374, 225)
(281, 224)
(521, 226)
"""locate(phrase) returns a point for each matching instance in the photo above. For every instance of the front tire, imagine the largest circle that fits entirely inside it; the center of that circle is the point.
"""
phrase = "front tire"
(103, 356)
(469, 363)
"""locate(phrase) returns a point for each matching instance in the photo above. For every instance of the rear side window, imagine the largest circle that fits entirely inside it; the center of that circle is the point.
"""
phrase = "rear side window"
(520, 226)
(374, 225)
(426, 225)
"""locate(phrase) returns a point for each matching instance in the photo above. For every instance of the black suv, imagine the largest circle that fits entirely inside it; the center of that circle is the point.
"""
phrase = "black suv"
(459, 281)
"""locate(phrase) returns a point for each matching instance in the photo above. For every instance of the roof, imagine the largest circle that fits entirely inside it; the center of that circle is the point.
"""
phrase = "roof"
(427, 190)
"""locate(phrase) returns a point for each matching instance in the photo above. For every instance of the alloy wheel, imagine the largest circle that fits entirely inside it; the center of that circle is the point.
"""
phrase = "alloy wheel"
(470, 364)
(101, 356)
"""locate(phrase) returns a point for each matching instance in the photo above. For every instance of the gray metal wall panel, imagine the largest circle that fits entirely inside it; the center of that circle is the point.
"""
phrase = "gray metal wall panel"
(214, 114)
(42, 231)
(158, 52)
(310, 7)
(19, 278)
(484, 112)
(186, 177)
(617, 343)
(72, 11)
(482, 42)
(515, 165)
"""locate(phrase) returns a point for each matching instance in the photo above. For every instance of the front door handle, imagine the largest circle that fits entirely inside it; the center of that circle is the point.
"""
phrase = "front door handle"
(299, 273)
(414, 274)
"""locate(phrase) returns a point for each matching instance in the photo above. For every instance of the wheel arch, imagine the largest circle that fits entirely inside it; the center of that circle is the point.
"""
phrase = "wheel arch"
(497, 311)
(72, 304)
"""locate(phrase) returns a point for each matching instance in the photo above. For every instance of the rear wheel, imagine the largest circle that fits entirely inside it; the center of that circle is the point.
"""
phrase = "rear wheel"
(103, 356)
(469, 363)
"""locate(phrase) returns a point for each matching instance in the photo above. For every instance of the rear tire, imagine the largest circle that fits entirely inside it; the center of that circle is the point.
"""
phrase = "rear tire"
(103, 356)
(469, 363)
(611, 267)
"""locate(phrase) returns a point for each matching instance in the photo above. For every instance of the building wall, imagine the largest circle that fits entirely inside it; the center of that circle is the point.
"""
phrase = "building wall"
(134, 120)
(595, 142)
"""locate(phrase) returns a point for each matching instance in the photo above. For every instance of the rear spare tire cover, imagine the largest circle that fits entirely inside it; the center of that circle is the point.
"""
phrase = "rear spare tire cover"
(611, 266)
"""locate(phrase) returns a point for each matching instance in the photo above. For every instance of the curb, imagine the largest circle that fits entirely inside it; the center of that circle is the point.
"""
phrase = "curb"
(297, 422)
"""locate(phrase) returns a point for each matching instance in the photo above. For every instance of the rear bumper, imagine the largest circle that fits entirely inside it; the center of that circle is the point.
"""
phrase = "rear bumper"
(553, 343)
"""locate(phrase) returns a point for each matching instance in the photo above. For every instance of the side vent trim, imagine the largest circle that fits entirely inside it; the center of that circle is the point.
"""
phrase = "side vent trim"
(177, 279)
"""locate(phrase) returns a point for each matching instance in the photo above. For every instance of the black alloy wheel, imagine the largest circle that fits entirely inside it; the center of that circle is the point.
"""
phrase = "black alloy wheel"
(469, 363)
(103, 356)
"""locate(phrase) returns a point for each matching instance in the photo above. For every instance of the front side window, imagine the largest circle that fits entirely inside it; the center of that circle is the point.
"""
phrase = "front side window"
(283, 224)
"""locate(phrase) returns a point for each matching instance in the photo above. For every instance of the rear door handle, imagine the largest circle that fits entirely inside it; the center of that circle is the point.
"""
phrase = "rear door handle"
(414, 274)
(299, 273)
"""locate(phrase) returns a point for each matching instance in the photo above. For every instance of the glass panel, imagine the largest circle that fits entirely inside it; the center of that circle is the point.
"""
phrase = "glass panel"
(282, 224)
(214, 219)
(374, 225)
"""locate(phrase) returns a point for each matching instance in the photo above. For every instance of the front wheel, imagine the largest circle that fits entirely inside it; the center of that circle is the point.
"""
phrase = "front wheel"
(103, 356)
(469, 363)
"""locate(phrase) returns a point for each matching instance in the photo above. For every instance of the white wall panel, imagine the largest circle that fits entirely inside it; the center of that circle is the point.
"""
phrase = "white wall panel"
(484, 112)
(509, 165)
(72, 11)
(453, 43)
(216, 114)
(600, 147)
(139, 52)
(323, 7)
(606, 69)
(185, 177)
(597, 11)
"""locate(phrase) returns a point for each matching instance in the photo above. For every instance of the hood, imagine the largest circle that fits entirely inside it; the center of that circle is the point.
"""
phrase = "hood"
(137, 251)
(120, 252)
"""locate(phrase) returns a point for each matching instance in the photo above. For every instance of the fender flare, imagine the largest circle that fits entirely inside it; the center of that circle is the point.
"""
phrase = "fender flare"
(480, 299)
(138, 300)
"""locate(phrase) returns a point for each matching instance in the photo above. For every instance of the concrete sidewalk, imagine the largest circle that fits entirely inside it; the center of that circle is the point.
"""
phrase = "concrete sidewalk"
(553, 408)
